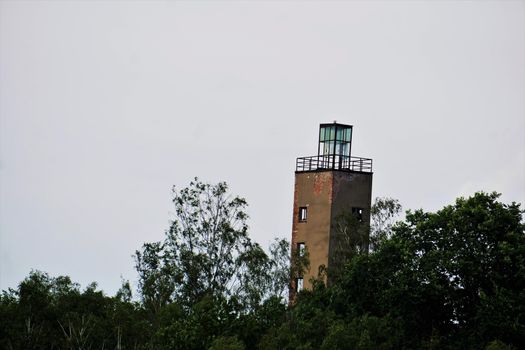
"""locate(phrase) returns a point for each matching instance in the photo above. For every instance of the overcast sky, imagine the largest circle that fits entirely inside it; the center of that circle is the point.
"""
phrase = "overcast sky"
(105, 105)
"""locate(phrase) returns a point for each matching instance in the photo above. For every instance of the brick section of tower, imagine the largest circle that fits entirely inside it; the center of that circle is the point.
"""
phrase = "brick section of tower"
(326, 194)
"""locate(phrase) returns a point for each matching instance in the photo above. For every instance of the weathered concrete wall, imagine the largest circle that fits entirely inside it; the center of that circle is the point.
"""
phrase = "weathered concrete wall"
(350, 190)
(314, 191)
(326, 194)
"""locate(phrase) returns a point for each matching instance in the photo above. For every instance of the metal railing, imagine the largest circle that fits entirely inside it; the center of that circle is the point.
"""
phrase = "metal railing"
(336, 162)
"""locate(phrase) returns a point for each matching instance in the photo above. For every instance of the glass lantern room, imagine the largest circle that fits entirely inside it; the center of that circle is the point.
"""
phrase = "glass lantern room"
(335, 143)
(334, 152)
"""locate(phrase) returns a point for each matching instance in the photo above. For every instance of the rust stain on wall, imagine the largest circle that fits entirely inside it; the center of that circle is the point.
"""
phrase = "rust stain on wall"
(320, 183)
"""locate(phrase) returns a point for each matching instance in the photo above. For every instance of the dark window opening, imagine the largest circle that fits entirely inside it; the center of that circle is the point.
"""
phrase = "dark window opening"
(358, 213)
(299, 284)
(303, 213)
(301, 248)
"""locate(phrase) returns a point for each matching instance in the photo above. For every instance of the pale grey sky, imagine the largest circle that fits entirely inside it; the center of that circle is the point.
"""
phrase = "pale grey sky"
(105, 105)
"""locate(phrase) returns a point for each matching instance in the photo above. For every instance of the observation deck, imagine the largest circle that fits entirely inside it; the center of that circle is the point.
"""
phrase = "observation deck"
(338, 162)
(334, 152)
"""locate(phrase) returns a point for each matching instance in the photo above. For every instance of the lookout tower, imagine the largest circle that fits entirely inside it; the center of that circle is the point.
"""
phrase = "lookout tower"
(327, 185)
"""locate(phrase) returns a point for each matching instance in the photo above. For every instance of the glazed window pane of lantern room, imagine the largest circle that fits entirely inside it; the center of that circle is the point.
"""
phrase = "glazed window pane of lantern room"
(334, 145)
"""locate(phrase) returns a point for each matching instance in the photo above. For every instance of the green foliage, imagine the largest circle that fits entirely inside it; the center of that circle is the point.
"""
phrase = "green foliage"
(207, 251)
(469, 257)
(498, 345)
(383, 214)
(350, 238)
(353, 237)
(453, 279)
(220, 280)
(279, 273)
(364, 332)
(53, 313)
(194, 328)
(207, 239)
(226, 343)
(158, 276)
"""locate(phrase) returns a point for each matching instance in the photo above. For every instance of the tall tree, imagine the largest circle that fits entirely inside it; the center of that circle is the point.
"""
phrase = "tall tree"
(455, 277)
(158, 276)
(207, 237)
(352, 236)
(207, 251)
(280, 268)
(383, 214)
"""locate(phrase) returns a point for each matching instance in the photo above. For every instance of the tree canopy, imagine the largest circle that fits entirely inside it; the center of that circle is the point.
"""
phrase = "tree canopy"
(451, 279)
(207, 252)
